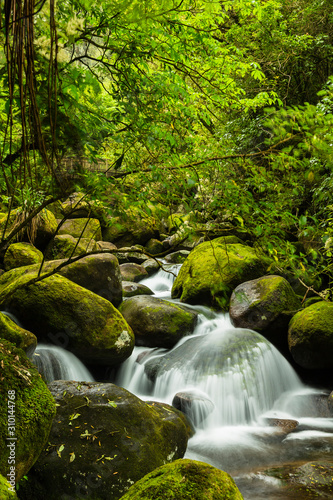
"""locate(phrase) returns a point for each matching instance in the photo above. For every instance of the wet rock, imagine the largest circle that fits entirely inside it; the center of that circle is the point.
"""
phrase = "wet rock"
(131, 254)
(186, 479)
(130, 289)
(154, 247)
(285, 426)
(307, 481)
(265, 305)
(132, 272)
(102, 441)
(310, 336)
(157, 322)
(105, 246)
(151, 266)
(196, 406)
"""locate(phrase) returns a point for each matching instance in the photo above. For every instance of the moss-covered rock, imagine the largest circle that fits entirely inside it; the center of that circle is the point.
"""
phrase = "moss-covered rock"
(20, 337)
(132, 272)
(39, 230)
(177, 257)
(310, 336)
(64, 246)
(30, 415)
(154, 246)
(130, 289)
(60, 312)
(131, 254)
(21, 254)
(98, 273)
(185, 480)
(157, 322)
(132, 228)
(7, 490)
(213, 269)
(151, 266)
(102, 441)
(82, 228)
(265, 305)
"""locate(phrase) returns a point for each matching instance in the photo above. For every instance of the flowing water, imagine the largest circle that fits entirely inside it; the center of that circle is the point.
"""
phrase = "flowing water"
(55, 363)
(239, 383)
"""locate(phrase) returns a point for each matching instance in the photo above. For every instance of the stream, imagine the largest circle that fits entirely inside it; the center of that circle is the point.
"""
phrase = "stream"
(239, 383)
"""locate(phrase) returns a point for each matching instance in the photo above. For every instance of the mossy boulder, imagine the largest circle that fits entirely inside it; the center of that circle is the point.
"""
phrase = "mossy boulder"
(131, 289)
(20, 337)
(154, 247)
(102, 441)
(132, 272)
(82, 228)
(131, 254)
(157, 322)
(98, 273)
(39, 230)
(185, 480)
(7, 490)
(78, 205)
(31, 415)
(64, 246)
(310, 336)
(265, 305)
(213, 269)
(61, 312)
(151, 266)
(21, 254)
(132, 228)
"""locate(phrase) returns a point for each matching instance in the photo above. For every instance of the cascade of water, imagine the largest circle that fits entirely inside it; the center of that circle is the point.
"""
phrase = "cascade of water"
(161, 282)
(55, 363)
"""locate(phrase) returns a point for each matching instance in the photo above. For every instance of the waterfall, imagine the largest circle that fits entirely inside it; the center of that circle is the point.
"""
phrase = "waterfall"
(233, 382)
(55, 363)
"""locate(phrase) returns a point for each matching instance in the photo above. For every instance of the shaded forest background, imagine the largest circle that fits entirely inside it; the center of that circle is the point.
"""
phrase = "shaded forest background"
(218, 110)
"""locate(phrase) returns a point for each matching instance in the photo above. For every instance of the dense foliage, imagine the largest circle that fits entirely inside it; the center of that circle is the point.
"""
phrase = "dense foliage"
(221, 109)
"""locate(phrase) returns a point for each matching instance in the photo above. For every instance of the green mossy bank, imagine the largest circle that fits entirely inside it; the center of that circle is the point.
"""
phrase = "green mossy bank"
(31, 414)
(20, 337)
(7, 492)
(185, 480)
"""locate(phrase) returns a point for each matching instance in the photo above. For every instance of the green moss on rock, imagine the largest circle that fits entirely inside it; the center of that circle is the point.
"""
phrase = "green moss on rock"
(21, 254)
(157, 322)
(102, 441)
(22, 338)
(310, 336)
(64, 246)
(213, 269)
(7, 490)
(61, 312)
(83, 227)
(185, 480)
(33, 411)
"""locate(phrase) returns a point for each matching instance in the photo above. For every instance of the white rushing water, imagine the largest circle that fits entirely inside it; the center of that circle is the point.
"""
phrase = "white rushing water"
(55, 363)
(238, 381)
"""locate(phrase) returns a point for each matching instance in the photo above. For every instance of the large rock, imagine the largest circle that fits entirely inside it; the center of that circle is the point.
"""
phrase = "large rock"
(213, 269)
(102, 441)
(157, 322)
(64, 246)
(20, 337)
(39, 230)
(98, 273)
(21, 254)
(60, 312)
(132, 228)
(78, 205)
(130, 289)
(132, 272)
(82, 228)
(265, 305)
(26, 411)
(184, 480)
(310, 336)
